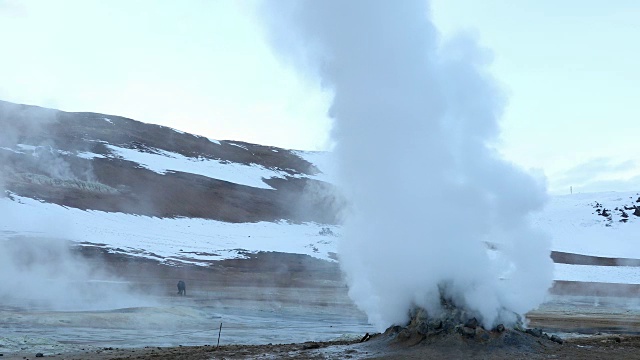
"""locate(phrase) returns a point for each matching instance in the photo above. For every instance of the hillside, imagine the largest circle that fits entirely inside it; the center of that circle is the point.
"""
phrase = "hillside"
(100, 162)
(154, 192)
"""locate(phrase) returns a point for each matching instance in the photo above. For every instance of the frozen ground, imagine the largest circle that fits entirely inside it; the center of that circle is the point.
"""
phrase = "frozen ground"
(571, 221)
(574, 225)
(170, 240)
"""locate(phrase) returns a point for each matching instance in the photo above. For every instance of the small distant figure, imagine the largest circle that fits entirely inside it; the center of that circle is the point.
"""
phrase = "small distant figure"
(182, 288)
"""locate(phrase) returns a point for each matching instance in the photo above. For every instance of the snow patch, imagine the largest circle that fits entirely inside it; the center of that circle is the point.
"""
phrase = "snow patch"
(183, 240)
(593, 273)
(162, 162)
(240, 146)
(323, 161)
(89, 155)
(575, 226)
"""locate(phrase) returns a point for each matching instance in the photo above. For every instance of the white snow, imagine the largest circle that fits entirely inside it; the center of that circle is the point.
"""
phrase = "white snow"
(89, 155)
(164, 161)
(240, 146)
(182, 239)
(592, 273)
(575, 227)
(323, 161)
(197, 240)
(214, 141)
(108, 120)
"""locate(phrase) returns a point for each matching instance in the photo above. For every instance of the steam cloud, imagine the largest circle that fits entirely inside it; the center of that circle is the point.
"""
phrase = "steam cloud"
(414, 125)
(25, 129)
(46, 274)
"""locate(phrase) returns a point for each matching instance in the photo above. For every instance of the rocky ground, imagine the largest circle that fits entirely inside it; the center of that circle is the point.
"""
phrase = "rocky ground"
(380, 347)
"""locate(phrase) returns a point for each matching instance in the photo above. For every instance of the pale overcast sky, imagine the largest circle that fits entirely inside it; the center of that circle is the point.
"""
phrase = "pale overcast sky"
(570, 69)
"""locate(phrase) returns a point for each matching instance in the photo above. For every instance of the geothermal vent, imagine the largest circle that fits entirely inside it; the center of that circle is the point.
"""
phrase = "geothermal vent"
(455, 323)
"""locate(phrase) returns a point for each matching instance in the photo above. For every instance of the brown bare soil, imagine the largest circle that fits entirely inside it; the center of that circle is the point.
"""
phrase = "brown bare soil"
(593, 347)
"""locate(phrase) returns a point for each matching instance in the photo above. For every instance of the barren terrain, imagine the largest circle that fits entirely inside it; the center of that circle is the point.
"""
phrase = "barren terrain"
(300, 288)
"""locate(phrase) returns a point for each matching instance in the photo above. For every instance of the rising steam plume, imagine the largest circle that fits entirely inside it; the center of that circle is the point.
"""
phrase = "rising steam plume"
(415, 122)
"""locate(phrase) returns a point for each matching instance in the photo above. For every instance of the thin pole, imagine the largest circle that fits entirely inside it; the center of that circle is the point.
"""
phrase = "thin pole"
(219, 332)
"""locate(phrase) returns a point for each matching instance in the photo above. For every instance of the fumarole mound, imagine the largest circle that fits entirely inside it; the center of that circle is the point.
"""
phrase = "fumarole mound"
(455, 326)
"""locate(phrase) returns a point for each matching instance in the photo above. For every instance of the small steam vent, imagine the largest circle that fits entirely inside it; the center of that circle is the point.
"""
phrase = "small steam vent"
(452, 322)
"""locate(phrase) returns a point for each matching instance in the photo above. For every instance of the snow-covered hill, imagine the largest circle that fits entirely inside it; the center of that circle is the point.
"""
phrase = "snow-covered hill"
(154, 192)
(598, 224)
(98, 162)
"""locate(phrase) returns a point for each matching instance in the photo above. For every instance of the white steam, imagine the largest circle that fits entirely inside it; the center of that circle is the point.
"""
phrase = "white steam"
(46, 274)
(38, 272)
(415, 122)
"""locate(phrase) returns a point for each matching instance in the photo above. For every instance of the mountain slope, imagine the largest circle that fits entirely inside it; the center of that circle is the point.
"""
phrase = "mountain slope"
(98, 162)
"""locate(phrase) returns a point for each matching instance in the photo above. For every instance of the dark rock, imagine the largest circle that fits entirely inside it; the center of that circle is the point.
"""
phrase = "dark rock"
(638, 200)
(557, 339)
(500, 328)
(366, 337)
(534, 332)
(404, 334)
(605, 213)
(39, 355)
(311, 345)
(423, 328)
(394, 329)
(637, 211)
(629, 207)
(471, 323)
(624, 214)
(435, 324)
(617, 339)
(482, 334)
(468, 332)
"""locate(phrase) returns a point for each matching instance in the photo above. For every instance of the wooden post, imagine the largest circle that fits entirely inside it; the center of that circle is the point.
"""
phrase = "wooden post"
(219, 332)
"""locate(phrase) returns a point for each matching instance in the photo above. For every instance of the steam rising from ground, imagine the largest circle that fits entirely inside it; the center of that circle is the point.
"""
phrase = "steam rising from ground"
(26, 129)
(46, 274)
(415, 122)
